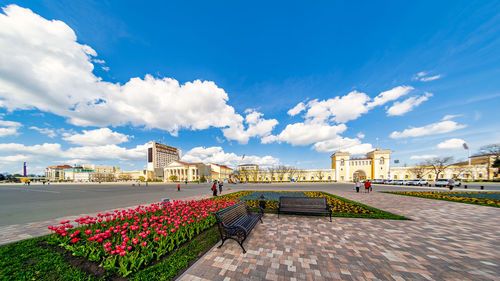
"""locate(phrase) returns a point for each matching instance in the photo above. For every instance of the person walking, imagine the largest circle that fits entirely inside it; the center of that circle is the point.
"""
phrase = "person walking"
(178, 187)
(220, 187)
(214, 189)
(367, 186)
(357, 185)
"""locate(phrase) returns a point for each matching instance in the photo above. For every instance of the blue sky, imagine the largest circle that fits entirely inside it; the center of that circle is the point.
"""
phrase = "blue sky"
(282, 82)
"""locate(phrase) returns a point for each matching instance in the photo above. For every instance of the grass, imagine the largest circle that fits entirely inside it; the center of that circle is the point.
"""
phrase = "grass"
(35, 259)
(353, 208)
(437, 196)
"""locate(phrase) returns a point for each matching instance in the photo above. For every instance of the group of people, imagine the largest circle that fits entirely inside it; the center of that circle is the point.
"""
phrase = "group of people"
(367, 185)
(214, 187)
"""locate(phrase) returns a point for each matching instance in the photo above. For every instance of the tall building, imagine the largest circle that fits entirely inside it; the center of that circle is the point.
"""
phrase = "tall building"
(159, 156)
(55, 173)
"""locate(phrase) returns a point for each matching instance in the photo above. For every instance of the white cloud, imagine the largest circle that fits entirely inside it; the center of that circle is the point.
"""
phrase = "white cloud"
(451, 144)
(306, 133)
(400, 108)
(360, 135)
(217, 155)
(46, 131)
(450, 116)
(434, 128)
(98, 61)
(9, 128)
(390, 95)
(422, 76)
(423, 157)
(353, 146)
(44, 67)
(256, 127)
(103, 136)
(105, 68)
(430, 78)
(338, 109)
(297, 109)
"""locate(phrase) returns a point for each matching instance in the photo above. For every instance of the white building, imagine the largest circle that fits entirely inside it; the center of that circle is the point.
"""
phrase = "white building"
(159, 156)
(78, 174)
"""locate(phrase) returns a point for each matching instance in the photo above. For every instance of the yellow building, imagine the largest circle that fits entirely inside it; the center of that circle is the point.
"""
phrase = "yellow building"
(252, 173)
(376, 165)
(480, 168)
(56, 173)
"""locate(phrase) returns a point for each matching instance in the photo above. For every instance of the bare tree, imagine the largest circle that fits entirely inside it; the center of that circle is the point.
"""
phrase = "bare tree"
(300, 174)
(439, 164)
(493, 149)
(292, 171)
(281, 171)
(420, 170)
(319, 174)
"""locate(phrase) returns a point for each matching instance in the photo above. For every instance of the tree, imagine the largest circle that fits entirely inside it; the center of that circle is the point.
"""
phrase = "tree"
(281, 171)
(2, 177)
(125, 177)
(272, 173)
(319, 174)
(292, 172)
(202, 178)
(420, 170)
(141, 178)
(439, 164)
(493, 149)
(173, 178)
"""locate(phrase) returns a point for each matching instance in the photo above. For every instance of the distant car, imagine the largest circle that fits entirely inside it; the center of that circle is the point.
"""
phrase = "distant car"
(444, 182)
(397, 182)
(388, 182)
(378, 181)
(413, 182)
(457, 182)
(422, 182)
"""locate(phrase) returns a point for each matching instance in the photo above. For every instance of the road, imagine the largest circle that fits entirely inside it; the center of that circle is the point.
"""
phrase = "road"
(22, 204)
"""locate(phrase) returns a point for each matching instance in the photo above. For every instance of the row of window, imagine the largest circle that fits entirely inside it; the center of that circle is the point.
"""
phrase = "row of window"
(359, 162)
(275, 178)
(430, 176)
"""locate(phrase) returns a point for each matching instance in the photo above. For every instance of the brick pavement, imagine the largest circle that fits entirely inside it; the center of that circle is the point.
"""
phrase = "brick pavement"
(443, 241)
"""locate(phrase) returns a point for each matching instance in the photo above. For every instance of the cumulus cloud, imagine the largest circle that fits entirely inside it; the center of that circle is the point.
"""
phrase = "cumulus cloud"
(297, 109)
(256, 127)
(44, 67)
(9, 128)
(216, 154)
(450, 116)
(306, 133)
(351, 145)
(423, 157)
(360, 135)
(338, 109)
(423, 76)
(451, 144)
(103, 136)
(434, 128)
(46, 131)
(400, 108)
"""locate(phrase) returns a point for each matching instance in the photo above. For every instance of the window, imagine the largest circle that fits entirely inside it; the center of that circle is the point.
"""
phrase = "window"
(480, 175)
(441, 176)
(341, 162)
(430, 176)
(395, 177)
(303, 178)
(406, 176)
(341, 177)
(329, 178)
(381, 160)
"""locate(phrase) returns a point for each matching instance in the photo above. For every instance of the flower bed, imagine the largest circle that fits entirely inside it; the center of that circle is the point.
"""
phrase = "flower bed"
(341, 207)
(478, 198)
(129, 240)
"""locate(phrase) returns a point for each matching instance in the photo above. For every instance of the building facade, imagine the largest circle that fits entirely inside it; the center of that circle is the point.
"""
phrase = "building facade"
(375, 165)
(78, 174)
(183, 171)
(56, 173)
(159, 156)
(252, 173)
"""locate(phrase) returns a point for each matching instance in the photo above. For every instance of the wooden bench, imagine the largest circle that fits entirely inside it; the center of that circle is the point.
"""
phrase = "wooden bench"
(315, 205)
(236, 222)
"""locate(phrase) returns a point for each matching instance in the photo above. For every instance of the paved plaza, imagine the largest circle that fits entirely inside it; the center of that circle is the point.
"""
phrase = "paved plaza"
(443, 241)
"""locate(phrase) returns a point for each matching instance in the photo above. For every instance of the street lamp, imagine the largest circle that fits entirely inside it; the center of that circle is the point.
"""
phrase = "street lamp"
(468, 150)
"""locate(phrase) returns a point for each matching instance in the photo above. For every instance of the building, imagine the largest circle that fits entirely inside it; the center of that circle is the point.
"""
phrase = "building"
(101, 168)
(183, 171)
(375, 165)
(78, 174)
(159, 156)
(480, 168)
(131, 175)
(252, 173)
(221, 172)
(56, 173)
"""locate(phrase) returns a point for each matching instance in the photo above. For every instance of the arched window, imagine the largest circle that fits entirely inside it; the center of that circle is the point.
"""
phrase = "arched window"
(329, 178)
(341, 162)
(381, 160)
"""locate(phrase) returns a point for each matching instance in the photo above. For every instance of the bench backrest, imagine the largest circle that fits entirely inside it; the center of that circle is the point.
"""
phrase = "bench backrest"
(303, 202)
(233, 213)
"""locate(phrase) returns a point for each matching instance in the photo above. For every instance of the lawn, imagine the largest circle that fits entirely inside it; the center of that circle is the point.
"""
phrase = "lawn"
(491, 199)
(341, 207)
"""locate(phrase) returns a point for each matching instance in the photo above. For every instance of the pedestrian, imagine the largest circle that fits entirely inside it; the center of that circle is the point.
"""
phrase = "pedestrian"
(367, 186)
(178, 187)
(220, 187)
(450, 184)
(214, 189)
(357, 186)
(186, 182)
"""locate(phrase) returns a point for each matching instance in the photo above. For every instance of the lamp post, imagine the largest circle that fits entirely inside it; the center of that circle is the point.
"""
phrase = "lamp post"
(468, 150)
